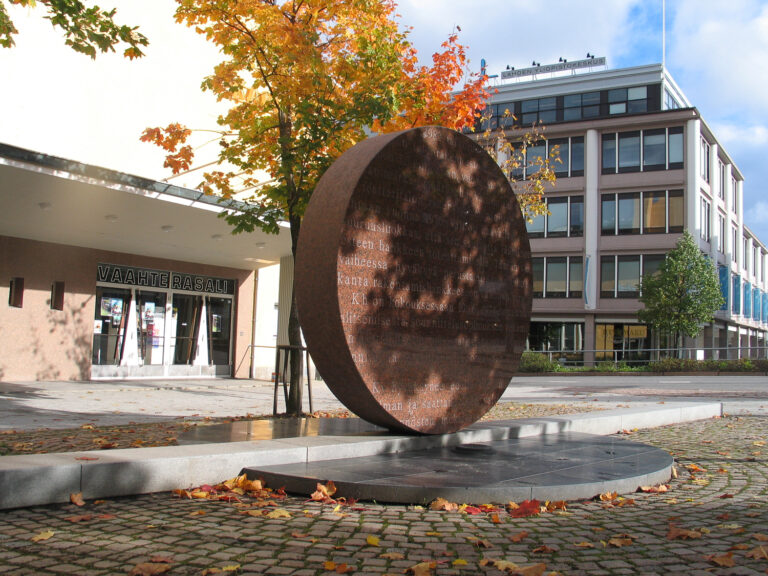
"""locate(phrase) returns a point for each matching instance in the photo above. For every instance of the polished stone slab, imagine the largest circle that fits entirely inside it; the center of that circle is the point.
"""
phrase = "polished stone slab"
(562, 466)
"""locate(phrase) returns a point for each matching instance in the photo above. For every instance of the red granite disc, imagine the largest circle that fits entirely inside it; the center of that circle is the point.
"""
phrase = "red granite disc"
(413, 280)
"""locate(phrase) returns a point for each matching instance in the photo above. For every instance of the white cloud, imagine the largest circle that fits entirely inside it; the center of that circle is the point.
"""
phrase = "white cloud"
(741, 135)
(757, 212)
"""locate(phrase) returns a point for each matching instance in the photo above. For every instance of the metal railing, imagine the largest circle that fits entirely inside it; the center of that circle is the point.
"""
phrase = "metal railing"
(644, 356)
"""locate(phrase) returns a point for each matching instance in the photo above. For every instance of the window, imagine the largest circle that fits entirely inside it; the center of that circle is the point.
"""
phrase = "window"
(747, 299)
(576, 227)
(558, 277)
(535, 227)
(670, 103)
(704, 218)
(655, 149)
(607, 276)
(557, 219)
(535, 158)
(629, 152)
(537, 266)
(628, 100)
(652, 263)
(675, 211)
(745, 254)
(565, 218)
(57, 296)
(654, 212)
(734, 196)
(609, 153)
(577, 156)
(662, 212)
(734, 243)
(662, 149)
(608, 213)
(575, 277)
(541, 110)
(561, 168)
(736, 290)
(704, 159)
(628, 277)
(721, 180)
(675, 152)
(721, 233)
(754, 260)
(620, 275)
(16, 292)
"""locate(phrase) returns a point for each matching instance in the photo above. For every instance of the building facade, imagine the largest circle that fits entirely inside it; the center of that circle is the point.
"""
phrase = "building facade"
(104, 275)
(638, 165)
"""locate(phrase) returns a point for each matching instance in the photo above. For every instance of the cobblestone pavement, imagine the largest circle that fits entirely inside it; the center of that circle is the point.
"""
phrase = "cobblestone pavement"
(717, 507)
(91, 436)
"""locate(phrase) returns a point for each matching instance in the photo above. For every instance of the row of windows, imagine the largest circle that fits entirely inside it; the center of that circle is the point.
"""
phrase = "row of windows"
(572, 107)
(565, 218)
(620, 275)
(642, 150)
(748, 301)
(558, 277)
(570, 154)
(642, 212)
(16, 294)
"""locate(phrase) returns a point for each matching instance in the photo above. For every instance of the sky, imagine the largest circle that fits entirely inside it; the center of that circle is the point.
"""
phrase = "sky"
(56, 101)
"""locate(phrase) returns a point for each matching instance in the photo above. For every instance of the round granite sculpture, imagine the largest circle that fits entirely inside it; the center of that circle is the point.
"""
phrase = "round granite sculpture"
(413, 280)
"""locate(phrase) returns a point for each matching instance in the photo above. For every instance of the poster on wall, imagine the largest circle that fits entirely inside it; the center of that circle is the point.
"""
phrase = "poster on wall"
(111, 306)
(97, 326)
(148, 316)
(216, 323)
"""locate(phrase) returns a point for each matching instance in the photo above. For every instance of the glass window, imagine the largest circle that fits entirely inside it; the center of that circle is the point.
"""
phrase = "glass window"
(734, 245)
(608, 213)
(654, 149)
(530, 106)
(704, 223)
(575, 277)
(577, 156)
(537, 267)
(617, 95)
(629, 213)
(721, 180)
(675, 151)
(609, 153)
(654, 212)
(535, 156)
(637, 93)
(704, 153)
(556, 277)
(736, 291)
(675, 211)
(590, 98)
(151, 326)
(535, 227)
(562, 166)
(628, 277)
(572, 100)
(747, 299)
(557, 220)
(652, 263)
(619, 108)
(607, 276)
(629, 152)
(109, 325)
(577, 216)
(734, 196)
(721, 234)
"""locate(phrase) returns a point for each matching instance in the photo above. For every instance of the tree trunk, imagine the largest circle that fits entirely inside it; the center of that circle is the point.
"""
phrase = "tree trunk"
(294, 404)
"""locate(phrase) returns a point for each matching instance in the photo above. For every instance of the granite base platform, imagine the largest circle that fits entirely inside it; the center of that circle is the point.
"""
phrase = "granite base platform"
(38, 479)
(563, 466)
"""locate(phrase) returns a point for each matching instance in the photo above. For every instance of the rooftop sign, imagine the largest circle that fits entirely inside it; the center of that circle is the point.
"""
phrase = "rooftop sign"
(559, 67)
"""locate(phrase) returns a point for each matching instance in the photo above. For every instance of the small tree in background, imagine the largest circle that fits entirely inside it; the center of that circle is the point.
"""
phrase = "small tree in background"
(683, 294)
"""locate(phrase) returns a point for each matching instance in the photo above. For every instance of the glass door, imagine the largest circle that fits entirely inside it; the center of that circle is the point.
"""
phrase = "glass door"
(219, 330)
(150, 311)
(186, 316)
(109, 325)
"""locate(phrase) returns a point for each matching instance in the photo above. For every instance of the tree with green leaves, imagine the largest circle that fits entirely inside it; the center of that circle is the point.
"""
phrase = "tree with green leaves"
(683, 294)
(86, 29)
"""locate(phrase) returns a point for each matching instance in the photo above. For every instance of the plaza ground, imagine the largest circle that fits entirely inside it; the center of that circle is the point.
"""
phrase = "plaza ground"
(719, 496)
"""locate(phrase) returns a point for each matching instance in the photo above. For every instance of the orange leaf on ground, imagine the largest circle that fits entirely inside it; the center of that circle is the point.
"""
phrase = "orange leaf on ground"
(620, 540)
(443, 504)
(518, 537)
(161, 559)
(150, 569)
(759, 553)
(726, 495)
(526, 508)
(760, 537)
(676, 533)
(372, 540)
(608, 496)
(739, 547)
(584, 545)
(654, 489)
(392, 556)
(495, 518)
(479, 542)
(42, 536)
(724, 560)
(80, 518)
(77, 499)
(544, 549)
(422, 569)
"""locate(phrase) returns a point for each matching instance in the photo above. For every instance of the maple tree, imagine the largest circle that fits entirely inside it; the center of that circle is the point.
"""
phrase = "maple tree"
(86, 29)
(305, 80)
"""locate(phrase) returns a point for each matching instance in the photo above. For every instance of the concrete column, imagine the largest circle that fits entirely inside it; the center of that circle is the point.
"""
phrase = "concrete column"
(693, 162)
(591, 218)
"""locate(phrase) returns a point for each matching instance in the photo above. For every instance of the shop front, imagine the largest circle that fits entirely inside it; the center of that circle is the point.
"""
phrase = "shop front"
(161, 323)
